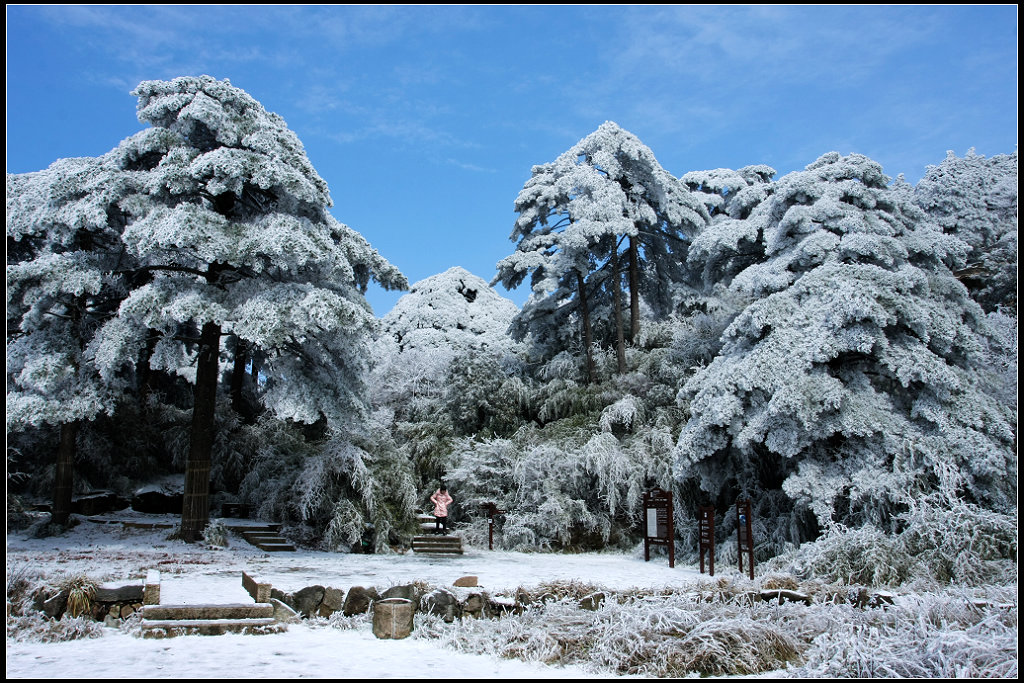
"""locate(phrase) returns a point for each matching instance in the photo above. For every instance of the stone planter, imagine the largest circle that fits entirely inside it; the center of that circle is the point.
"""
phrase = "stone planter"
(392, 618)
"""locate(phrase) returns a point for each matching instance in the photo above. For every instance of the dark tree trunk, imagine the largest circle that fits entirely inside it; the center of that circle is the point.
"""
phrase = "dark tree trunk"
(634, 290)
(195, 511)
(620, 336)
(63, 476)
(238, 377)
(588, 337)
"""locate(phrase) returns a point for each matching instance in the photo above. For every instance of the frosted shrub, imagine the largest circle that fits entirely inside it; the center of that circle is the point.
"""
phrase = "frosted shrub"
(716, 630)
(865, 556)
(216, 535)
(959, 542)
(567, 485)
(927, 637)
(37, 627)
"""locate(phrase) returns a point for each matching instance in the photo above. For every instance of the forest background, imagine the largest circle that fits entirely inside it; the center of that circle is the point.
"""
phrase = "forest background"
(833, 343)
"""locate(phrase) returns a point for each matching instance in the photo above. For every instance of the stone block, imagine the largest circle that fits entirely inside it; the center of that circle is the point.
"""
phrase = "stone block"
(393, 618)
(151, 591)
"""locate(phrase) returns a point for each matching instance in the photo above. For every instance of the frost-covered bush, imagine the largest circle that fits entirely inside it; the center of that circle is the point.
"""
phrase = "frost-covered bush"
(931, 636)
(37, 627)
(332, 492)
(716, 629)
(216, 535)
(942, 541)
(570, 484)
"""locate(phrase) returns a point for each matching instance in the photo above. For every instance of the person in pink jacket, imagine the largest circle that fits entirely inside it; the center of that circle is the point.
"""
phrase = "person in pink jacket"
(441, 501)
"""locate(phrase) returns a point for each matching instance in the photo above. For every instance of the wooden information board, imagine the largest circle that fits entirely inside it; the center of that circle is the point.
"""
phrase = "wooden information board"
(660, 528)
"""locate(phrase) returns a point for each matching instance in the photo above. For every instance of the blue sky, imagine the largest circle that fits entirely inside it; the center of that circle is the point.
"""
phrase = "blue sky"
(426, 120)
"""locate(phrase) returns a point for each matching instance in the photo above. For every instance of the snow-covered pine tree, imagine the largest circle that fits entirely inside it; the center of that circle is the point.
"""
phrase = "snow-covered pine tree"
(446, 365)
(232, 222)
(64, 263)
(849, 381)
(604, 201)
(975, 199)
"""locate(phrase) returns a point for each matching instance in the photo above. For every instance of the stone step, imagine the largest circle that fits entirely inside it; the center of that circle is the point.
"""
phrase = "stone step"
(282, 547)
(209, 627)
(268, 541)
(437, 544)
(258, 610)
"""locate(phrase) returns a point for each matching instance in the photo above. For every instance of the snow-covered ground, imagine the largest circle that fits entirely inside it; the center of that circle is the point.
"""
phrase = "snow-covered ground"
(192, 574)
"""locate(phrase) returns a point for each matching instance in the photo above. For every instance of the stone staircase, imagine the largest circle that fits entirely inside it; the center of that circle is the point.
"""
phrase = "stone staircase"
(161, 621)
(167, 620)
(266, 537)
(430, 543)
(437, 545)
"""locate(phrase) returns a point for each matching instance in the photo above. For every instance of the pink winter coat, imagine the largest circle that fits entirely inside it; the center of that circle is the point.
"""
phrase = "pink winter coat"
(441, 501)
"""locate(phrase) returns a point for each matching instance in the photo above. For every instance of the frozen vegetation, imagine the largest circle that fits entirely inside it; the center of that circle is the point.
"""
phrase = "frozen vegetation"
(836, 346)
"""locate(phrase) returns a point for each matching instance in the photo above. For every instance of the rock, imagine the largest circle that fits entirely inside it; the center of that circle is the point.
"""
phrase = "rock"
(592, 602)
(408, 591)
(466, 582)
(286, 598)
(126, 611)
(334, 599)
(306, 601)
(783, 595)
(441, 603)
(111, 621)
(98, 503)
(54, 606)
(283, 612)
(498, 606)
(157, 502)
(474, 606)
(393, 618)
(359, 600)
(115, 593)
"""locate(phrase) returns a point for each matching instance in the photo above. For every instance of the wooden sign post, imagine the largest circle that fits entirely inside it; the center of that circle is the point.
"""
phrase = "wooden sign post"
(660, 528)
(706, 528)
(744, 538)
(491, 510)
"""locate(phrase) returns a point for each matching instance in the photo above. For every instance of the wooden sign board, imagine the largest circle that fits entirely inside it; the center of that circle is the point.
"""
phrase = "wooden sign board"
(706, 532)
(744, 537)
(660, 528)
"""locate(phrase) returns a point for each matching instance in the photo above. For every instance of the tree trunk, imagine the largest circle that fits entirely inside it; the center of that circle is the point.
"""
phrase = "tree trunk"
(620, 336)
(195, 512)
(588, 337)
(634, 290)
(63, 476)
(238, 377)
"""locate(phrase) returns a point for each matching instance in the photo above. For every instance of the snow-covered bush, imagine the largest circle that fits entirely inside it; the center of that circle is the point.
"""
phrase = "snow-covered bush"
(717, 629)
(570, 484)
(216, 535)
(943, 541)
(331, 492)
(37, 627)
